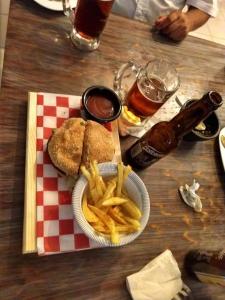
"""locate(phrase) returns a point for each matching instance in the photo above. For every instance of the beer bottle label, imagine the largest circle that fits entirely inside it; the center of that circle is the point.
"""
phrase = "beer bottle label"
(136, 150)
(210, 278)
(144, 155)
(152, 151)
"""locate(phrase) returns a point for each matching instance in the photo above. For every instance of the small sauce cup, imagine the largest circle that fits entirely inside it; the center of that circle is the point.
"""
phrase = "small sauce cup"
(100, 104)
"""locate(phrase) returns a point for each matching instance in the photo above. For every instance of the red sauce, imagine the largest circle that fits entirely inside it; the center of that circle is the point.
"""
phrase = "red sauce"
(100, 106)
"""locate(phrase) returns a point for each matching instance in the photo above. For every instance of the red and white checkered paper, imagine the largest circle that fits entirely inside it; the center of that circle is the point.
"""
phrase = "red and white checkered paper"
(57, 230)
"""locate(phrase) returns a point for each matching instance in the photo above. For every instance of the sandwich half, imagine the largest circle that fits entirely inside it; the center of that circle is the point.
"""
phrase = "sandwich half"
(98, 144)
(66, 145)
(78, 142)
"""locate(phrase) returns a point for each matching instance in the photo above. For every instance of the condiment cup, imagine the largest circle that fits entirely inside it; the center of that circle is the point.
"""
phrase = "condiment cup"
(137, 192)
(100, 91)
(211, 123)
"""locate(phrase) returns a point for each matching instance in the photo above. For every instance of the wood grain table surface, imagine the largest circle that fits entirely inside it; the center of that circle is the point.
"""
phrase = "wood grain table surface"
(39, 56)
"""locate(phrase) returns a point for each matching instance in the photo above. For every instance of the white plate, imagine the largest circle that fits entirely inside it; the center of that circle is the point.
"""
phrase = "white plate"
(222, 148)
(55, 5)
(136, 190)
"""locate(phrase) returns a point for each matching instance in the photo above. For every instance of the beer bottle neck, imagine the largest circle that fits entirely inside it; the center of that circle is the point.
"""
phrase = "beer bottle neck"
(194, 113)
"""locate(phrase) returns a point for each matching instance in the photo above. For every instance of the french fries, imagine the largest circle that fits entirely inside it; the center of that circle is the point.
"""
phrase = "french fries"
(119, 179)
(114, 201)
(106, 204)
(89, 215)
(132, 209)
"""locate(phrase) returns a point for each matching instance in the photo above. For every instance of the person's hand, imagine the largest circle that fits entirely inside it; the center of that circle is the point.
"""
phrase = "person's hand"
(176, 25)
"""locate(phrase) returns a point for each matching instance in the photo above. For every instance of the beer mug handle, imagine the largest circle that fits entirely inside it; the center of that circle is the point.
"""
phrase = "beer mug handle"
(126, 70)
(68, 11)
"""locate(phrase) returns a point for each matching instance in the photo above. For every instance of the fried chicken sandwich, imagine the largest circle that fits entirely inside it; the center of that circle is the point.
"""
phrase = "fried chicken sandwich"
(78, 142)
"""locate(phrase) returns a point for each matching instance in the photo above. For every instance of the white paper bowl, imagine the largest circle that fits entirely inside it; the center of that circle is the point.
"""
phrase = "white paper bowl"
(137, 192)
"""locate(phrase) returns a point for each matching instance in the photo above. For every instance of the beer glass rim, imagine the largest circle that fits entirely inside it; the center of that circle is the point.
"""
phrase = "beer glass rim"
(171, 65)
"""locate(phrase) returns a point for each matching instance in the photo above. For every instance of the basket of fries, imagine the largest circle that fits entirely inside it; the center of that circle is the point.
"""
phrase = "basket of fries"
(111, 203)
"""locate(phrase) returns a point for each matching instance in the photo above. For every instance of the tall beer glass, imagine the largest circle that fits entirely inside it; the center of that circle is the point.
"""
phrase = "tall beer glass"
(88, 21)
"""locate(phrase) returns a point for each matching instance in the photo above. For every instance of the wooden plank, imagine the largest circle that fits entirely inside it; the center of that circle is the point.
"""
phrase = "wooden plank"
(116, 139)
(29, 221)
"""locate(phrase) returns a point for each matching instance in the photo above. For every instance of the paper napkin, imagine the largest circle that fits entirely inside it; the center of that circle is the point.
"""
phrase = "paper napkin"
(159, 279)
(57, 231)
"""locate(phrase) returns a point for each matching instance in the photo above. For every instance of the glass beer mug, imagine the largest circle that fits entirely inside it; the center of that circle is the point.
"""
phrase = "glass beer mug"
(154, 84)
(88, 21)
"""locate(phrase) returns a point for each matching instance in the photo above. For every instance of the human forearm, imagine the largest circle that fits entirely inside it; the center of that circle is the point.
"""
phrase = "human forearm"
(196, 17)
(177, 24)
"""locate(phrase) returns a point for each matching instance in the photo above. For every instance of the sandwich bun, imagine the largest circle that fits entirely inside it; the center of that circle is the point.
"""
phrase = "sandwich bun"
(66, 144)
(98, 144)
(77, 142)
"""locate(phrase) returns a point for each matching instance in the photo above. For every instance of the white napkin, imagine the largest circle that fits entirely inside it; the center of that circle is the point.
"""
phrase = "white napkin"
(159, 279)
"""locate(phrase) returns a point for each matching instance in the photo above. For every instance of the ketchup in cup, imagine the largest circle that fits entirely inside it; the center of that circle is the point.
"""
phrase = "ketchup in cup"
(100, 104)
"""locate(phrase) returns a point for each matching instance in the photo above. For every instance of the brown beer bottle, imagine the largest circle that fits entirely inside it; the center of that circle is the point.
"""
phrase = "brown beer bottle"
(207, 266)
(164, 136)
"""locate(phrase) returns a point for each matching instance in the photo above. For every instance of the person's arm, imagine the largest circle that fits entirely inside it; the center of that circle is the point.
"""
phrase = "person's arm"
(197, 17)
(177, 24)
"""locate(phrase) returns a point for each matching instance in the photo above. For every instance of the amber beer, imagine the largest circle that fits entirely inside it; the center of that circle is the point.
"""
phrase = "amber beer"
(164, 136)
(91, 16)
(146, 96)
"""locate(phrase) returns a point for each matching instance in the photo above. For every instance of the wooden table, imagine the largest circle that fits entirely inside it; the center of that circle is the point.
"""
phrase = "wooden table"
(40, 57)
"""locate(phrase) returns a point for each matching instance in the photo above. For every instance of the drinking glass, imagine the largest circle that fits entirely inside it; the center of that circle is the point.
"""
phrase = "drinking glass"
(88, 21)
(154, 84)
